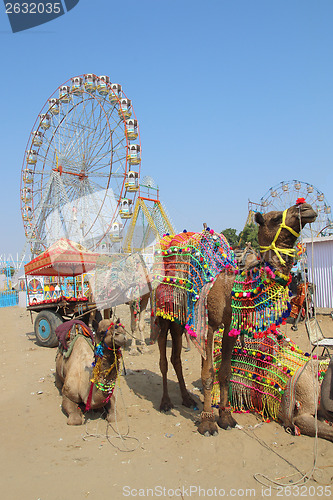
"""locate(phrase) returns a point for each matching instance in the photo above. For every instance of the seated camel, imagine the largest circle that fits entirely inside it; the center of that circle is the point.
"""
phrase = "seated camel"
(273, 377)
(204, 304)
(87, 370)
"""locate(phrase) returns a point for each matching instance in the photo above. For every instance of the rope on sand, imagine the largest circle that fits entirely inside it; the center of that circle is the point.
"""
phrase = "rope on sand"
(115, 427)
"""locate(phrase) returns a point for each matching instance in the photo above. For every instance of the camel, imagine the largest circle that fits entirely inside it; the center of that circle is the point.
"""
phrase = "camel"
(303, 415)
(75, 372)
(138, 309)
(258, 363)
(326, 395)
(277, 234)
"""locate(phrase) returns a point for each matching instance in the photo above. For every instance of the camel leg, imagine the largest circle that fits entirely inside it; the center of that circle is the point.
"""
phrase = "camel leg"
(187, 337)
(91, 319)
(225, 419)
(134, 327)
(141, 322)
(307, 425)
(208, 425)
(112, 413)
(74, 413)
(107, 313)
(176, 334)
(162, 339)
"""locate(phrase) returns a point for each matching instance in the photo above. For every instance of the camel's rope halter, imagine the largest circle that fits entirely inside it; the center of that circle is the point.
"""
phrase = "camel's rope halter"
(287, 251)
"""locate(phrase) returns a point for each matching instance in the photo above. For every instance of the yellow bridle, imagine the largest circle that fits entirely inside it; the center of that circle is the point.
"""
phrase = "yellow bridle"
(272, 246)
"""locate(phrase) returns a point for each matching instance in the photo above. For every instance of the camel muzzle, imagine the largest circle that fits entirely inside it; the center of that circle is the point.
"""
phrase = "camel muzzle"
(307, 214)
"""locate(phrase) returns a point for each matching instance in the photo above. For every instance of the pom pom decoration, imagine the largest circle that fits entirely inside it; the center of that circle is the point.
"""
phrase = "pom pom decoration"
(300, 201)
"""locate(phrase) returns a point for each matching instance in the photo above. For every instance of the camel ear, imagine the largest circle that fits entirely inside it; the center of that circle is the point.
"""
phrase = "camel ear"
(259, 218)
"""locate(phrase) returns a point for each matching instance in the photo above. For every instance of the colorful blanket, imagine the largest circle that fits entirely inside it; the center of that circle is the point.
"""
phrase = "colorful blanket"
(65, 334)
(186, 266)
(262, 371)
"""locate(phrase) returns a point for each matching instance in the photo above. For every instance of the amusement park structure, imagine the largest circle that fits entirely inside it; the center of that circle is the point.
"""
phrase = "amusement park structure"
(81, 172)
(81, 167)
(285, 194)
(149, 221)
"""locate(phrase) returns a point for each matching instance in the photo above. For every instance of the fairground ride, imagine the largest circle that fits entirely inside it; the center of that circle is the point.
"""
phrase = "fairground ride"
(81, 167)
(285, 194)
(150, 220)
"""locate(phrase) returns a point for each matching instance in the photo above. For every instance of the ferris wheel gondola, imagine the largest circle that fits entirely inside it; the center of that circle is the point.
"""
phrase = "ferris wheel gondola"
(79, 163)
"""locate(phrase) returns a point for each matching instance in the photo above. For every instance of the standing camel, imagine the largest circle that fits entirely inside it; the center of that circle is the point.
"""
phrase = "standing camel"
(138, 310)
(278, 232)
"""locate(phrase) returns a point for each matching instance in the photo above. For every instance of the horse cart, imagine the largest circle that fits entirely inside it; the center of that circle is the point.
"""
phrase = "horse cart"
(63, 259)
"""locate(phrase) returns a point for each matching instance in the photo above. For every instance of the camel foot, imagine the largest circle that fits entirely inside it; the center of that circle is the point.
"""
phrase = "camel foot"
(143, 348)
(188, 401)
(166, 404)
(75, 419)
(208, 428)
(134, 351)
(225, 419)
(111, 417)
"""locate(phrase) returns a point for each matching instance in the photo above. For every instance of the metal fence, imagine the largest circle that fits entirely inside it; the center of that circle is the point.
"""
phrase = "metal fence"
(8, 299)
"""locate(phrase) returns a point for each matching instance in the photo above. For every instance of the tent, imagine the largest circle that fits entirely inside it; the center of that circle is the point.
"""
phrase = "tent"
(63, 258)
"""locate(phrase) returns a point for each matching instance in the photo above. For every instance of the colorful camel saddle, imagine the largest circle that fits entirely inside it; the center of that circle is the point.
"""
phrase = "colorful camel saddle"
(68, 331)
(185, 268)
(262, 371)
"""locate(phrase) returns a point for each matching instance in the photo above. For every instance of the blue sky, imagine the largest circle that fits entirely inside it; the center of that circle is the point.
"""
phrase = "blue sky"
(232, 97)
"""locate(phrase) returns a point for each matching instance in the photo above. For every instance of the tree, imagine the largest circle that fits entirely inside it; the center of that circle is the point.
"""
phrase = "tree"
(231, 236)
(249, 234)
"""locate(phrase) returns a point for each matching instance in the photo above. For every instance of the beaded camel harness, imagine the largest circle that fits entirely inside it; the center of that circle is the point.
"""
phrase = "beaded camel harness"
(101, 378)
(259, 301)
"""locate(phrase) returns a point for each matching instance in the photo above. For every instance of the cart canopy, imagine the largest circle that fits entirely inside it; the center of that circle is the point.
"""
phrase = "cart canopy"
(63, 258)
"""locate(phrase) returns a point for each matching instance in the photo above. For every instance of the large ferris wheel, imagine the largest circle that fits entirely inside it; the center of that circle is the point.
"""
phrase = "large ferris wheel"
(285, 194)
(81, 167)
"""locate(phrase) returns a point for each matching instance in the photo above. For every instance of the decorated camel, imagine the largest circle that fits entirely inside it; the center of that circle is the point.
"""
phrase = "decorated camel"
(272, 376)
(87, 368)
(200, 289)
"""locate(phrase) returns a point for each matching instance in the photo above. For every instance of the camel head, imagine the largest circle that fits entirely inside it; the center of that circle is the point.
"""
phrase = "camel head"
(278, 232)
(113, 334)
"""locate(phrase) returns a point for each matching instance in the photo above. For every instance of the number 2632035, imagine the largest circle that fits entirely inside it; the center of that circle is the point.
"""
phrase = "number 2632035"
(33, 8)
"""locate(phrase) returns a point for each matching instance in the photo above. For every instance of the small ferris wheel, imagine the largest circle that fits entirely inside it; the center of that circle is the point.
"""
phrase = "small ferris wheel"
(81, 167)
(285, 194)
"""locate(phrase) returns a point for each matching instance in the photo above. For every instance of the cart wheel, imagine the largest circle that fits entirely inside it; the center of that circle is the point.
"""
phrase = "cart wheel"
(45, 326)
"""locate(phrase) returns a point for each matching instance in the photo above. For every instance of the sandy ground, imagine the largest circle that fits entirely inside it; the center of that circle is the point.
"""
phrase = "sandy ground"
(149, 454)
